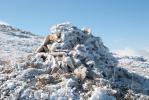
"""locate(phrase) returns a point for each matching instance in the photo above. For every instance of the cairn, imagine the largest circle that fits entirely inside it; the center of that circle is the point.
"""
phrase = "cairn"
(73, 50)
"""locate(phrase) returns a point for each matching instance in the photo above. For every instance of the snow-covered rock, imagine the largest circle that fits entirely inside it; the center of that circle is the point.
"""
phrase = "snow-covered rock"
(102, 94)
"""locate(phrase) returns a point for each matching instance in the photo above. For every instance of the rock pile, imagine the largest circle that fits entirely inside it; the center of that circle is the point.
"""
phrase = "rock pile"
(69, 49)
(70, 63)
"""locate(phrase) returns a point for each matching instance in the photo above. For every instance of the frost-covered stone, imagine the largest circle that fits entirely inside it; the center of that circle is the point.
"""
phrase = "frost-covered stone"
(45, 79)
(81, 72)
(30, 73)
(101, 94)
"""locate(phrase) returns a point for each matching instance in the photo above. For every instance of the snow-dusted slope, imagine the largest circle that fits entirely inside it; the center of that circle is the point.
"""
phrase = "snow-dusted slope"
(134, 64)
(15, 43)
(77, 65)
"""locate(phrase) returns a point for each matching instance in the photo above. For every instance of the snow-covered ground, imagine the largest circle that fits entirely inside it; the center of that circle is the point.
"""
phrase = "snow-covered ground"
(134, 64)
(92, 72)
(15, 43)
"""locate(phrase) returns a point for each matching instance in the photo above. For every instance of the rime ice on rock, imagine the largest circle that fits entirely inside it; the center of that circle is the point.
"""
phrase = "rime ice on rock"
(71, 47)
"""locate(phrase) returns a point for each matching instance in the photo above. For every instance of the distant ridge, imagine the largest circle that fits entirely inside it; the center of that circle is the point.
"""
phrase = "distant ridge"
(9, 28)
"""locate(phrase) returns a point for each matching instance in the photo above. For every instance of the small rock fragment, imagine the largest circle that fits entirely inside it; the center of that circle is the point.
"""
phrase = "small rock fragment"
(81, 72)
(45, 79)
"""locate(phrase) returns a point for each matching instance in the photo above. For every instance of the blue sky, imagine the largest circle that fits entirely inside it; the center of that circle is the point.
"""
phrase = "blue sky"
(120, 23)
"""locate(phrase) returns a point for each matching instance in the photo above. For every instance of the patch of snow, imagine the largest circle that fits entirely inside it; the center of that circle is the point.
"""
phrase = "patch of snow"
(101, 94)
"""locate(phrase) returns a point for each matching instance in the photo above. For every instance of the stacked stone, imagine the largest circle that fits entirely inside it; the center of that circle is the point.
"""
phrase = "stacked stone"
(69, 49)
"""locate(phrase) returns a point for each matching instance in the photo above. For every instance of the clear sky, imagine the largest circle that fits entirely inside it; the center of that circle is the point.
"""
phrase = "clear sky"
(120, 23)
